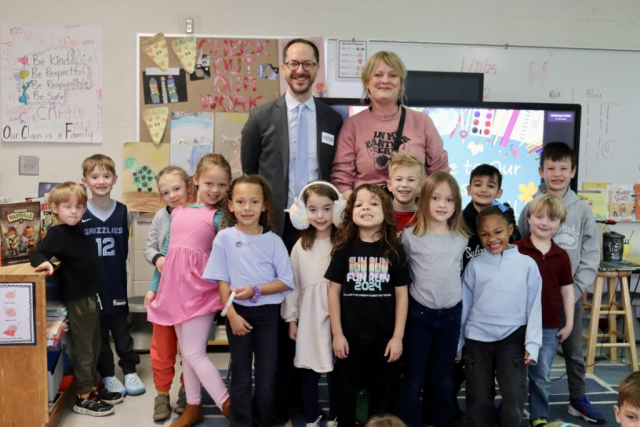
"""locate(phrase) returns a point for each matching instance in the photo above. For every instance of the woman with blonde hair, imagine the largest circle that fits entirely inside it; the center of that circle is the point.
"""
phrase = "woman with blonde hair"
(368, 139)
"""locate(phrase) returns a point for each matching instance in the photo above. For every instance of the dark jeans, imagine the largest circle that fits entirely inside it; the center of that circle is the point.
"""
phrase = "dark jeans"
(573, 358)
(84, 332)
(507, 355)
(288, 378)
(119, 327)
(261, 342)
(365, 367)
(310, 380)
(431, 336)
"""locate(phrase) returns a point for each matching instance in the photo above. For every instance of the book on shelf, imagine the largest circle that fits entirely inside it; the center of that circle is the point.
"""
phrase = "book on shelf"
(622, 202)
(598, 201)
(595, 185)
(20, 228)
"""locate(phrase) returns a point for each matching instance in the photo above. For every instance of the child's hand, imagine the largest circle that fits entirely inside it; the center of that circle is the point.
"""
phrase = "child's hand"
(340, 346)
(148, 298)
(244, 292)
(293, 330)
(160, 263)
(528, 361)
(45, 266)
(239, 326)
(458, 356)
(564, 333)
(393, 350)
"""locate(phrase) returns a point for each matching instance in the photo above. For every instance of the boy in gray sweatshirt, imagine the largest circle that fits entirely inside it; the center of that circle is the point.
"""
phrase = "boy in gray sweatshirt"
(579, 237)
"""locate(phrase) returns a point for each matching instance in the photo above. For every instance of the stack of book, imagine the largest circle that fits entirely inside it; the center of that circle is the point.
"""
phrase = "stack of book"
(611, 201)
(57, 322)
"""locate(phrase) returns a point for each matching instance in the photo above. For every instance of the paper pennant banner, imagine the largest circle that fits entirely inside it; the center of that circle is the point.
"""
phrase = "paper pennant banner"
(185, 50)
(156, 48)
(156, 121)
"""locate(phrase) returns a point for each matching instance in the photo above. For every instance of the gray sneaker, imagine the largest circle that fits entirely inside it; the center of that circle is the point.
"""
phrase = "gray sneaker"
(161, 407)
(181, 404)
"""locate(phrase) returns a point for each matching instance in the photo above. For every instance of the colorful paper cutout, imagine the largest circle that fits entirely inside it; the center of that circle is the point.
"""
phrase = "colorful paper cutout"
(156, 121)
(142, 162)
(156, 48)
(185, 50)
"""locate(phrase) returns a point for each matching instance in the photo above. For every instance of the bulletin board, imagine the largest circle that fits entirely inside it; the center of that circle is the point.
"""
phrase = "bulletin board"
(230, 74)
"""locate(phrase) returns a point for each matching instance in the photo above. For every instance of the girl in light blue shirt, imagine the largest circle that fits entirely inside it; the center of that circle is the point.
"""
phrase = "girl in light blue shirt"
(501, 322)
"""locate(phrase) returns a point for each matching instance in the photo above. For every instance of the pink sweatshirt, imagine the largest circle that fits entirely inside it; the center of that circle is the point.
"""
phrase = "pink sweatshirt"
(365, 145)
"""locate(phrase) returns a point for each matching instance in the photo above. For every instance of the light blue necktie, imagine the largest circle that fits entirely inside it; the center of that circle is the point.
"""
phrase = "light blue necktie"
(302, 156)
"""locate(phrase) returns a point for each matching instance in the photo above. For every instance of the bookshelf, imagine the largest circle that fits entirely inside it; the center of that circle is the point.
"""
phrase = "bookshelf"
(25, 366)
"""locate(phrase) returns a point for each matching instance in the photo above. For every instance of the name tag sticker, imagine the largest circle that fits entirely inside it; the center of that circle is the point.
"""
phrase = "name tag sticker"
(327, 138)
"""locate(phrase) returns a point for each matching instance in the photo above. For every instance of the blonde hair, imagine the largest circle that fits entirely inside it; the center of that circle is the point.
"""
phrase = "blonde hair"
(422, 218)
(404, 159)
(385, 421)
(62, 193)
(174, 169)
(551, 204)
(98, 161)
(393, 61)
(629, 390)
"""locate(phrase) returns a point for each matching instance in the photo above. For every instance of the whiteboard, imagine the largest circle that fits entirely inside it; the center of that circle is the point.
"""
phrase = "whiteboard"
(604, 82)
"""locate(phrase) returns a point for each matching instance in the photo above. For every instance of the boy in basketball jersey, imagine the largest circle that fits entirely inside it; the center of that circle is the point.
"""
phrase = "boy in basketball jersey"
(106, 222)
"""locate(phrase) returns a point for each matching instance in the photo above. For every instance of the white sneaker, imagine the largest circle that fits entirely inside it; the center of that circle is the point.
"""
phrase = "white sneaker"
(133, 384)
(333, 423)
(316, 423)
(113, 385)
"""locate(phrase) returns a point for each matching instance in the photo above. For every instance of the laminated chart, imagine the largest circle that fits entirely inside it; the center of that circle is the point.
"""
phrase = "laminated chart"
(51, 83)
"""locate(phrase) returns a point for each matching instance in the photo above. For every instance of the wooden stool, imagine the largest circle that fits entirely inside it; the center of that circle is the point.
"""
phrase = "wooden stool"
(612, 310)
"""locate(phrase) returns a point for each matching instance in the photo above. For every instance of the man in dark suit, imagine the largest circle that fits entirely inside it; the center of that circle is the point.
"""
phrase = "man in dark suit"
(290, 142)
(272, 144)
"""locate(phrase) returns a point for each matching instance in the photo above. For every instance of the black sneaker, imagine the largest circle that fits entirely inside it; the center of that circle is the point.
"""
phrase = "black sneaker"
(107, 396)
(93, 406)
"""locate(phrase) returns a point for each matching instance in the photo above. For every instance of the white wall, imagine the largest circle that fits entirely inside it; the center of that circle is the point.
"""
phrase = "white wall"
(606, 24)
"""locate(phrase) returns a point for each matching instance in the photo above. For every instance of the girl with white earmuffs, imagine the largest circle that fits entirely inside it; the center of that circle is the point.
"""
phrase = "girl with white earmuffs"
(318, 213)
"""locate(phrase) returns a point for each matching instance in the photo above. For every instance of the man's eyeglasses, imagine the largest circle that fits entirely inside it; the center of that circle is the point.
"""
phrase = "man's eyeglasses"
(307, 66)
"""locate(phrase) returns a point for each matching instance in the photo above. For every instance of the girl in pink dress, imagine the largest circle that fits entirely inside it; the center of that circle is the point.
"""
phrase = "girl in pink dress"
(184, 299)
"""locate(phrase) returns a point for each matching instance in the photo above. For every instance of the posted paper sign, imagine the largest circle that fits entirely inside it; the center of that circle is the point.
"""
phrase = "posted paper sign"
(17, 318)
(352, 55)
(51, 83)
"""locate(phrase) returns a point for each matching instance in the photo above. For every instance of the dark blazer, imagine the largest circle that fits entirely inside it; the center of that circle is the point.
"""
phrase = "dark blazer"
(265, 148)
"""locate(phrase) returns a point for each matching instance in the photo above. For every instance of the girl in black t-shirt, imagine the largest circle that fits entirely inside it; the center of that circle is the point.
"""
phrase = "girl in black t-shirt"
(368, 302)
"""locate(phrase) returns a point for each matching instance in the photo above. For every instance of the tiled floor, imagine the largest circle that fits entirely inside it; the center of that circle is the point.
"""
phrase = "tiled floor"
(137, 411)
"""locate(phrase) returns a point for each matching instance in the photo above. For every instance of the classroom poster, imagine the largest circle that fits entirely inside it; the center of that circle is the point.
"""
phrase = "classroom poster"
(352, 55)
(51, 83)
(230, 75)
(191, 139)
(18, 317)
(320, 85)
(228, 133)
(142, 162)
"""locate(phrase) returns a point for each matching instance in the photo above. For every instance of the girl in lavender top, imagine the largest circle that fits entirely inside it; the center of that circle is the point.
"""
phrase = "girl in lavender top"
(250, 262)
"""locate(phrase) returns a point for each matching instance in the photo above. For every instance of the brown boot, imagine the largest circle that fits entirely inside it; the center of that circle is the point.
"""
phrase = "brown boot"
(226, 408)
(192, 415)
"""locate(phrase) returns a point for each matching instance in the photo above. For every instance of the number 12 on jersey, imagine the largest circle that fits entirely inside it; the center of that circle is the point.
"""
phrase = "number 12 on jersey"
(106, 246)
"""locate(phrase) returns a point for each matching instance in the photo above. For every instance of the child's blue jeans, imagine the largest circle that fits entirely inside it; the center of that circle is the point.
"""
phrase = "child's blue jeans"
(540, 375)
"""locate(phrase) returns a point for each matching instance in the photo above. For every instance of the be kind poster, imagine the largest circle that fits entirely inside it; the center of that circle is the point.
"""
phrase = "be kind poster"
(51, 83)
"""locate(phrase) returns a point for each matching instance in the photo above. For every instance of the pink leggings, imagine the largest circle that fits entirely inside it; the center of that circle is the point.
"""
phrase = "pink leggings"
(197, 368)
